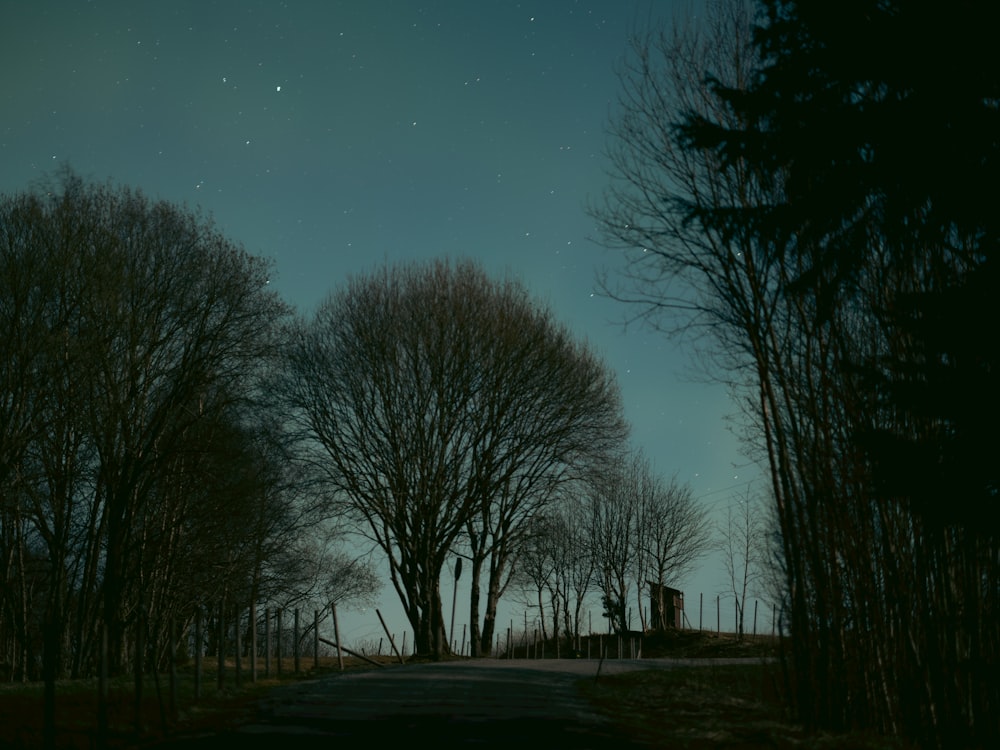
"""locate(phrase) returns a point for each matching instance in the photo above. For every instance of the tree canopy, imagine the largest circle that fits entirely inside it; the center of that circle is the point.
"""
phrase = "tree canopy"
(822, 178)
(142, 470)
(448, 409)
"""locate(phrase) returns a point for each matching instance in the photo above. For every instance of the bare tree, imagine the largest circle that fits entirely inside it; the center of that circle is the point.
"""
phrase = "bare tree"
(448, 409)
(672, 533)
(775, 206)
(555, 419)
(743, 542)
(535, 572)
(555, 569)
(575, 571)
(135, 332)
(176, 321)
(641, 531)
(35, 303)
(612, 516)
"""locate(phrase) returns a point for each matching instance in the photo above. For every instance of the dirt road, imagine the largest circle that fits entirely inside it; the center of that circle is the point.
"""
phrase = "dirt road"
(482, 703)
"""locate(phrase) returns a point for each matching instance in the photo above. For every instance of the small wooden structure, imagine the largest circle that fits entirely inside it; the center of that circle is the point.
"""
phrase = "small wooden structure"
(666, 607)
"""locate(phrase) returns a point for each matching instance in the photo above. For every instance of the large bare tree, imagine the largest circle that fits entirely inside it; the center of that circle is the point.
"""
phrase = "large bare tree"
(772, 188)
(448, 408)
(134, 334)
(641, 530)
(672, 533)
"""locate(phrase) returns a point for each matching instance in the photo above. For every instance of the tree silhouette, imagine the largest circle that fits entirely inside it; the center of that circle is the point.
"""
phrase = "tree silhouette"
(447, 409)
(819, 196)
(134, 470)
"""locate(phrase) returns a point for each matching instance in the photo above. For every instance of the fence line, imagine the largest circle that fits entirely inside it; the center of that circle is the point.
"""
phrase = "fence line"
(196, 636)
(242, 633)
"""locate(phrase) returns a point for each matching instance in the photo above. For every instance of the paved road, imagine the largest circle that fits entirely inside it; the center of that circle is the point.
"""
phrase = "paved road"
(481, 703)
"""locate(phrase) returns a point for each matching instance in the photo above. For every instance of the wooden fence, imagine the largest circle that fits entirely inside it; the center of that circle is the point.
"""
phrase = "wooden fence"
(277, 631)
(528, 643)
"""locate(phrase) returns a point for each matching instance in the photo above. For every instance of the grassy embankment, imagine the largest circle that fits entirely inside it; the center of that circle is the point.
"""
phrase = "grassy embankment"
(722, 705)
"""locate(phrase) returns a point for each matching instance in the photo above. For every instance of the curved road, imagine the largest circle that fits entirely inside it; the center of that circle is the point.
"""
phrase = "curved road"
(480, 703)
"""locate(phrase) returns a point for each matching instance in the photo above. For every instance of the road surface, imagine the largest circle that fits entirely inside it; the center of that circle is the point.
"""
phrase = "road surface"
(483, 703)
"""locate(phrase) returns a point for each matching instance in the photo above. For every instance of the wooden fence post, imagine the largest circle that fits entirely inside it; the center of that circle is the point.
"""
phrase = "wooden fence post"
(316, 639)
(197, 653)
(267, 642)
(239, 648)
(253, 642)
(140, 657)
(102, 690)
(526, 654)
(172, 635)
(277, 628)
(221, 657)
(295, 641)
(392, 641)
(336, 635)
(718, 616)
(754, 618)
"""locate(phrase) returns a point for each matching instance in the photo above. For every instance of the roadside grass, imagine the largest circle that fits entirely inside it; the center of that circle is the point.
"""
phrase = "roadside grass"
(696, 707)
(77, 705)
(683, 707)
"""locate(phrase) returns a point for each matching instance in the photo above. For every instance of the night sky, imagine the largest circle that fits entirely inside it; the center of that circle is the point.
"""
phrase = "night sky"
(335, 136)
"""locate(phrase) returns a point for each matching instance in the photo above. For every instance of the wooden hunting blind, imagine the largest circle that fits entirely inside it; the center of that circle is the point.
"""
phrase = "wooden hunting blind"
(666, 606)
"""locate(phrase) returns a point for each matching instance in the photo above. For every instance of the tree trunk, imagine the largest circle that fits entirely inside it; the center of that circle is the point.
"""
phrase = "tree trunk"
(113, 590)
(475, 644)
(554, 597)
(492, 601)
(51, 664)
(541, 615)
(425, 610)
(489, 628)
(23, 607)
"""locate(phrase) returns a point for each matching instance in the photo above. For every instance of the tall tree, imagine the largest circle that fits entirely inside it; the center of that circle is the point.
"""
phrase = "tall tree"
(641, 531)
(555, 569)
(554, 419)
(137, 327)
(880, 121)
(742, 542)
(574, 569)
(778, 179)
(672, 533)
(535, 574)
(612, 516)
(446, 404)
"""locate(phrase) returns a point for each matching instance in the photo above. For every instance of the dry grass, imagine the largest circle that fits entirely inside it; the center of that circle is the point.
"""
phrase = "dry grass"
(731, 706)
(77, 706)
(690, 707)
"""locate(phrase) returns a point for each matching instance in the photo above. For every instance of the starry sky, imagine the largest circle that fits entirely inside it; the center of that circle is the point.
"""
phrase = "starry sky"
(337, 135)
